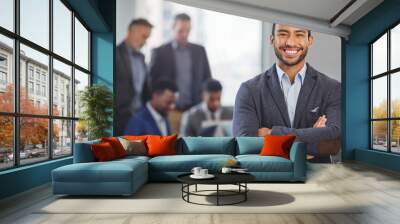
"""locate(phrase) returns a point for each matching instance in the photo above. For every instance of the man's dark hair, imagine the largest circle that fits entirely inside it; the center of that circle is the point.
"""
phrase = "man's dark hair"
(160, 86)
(273, 30)
(182, 17)
(212, 85)
(140, 22)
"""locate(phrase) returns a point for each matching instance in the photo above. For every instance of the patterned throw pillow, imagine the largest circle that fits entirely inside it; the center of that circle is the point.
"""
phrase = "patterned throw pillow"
(135, 147)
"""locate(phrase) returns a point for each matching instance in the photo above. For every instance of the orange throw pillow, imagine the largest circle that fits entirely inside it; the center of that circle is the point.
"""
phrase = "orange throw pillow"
(277, 145)
(116, 145)
(135, 137)
(161, 145)
(103, 152)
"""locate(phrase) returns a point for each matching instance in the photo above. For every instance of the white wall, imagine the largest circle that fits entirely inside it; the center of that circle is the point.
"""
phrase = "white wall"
(324, 55)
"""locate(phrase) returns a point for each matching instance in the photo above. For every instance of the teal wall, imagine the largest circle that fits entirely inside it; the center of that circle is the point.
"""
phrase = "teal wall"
(356, 85)
(99, 16)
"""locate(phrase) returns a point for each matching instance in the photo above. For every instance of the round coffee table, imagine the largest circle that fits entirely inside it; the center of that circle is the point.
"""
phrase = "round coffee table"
(238, 179)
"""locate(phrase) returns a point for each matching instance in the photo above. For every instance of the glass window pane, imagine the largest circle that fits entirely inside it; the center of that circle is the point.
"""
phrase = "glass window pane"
(379, 55)
(6, 142)
(6, 74)
(395, 94)
(379, 135)
(34, 72)
(7, 14)
(395, 47)
(62, 138)
(81, 45)
(81, 131)
(35, 21)
(395, 136)
(81, 81)
(62, 89)
(62, 29)
(33, 140)
(379, 97)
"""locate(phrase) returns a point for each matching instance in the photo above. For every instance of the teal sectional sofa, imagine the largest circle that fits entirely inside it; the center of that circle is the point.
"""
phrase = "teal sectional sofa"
(125, 176)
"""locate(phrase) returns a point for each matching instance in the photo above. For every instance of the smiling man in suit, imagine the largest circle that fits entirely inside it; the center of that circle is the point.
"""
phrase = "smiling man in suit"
(131, 73)
(291, 97)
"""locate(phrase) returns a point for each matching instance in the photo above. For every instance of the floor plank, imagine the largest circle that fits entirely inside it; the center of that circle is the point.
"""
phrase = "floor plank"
(376, 189)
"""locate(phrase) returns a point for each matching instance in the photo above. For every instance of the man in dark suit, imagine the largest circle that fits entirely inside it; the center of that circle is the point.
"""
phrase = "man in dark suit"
(152, 118)
(184, 63)
(210, 110)
(291, 97)
(131, 88)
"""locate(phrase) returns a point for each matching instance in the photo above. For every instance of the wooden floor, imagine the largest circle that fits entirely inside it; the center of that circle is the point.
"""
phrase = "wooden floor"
(377, 188)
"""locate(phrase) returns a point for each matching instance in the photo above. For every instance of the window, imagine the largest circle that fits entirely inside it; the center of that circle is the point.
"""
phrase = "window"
(30, 88)
(81, 45)
(40, 129)
(35, 21)
(385, 95)
(7, 14)
(6, 73)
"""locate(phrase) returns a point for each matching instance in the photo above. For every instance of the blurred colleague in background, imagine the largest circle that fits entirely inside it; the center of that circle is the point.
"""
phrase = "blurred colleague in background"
(205, 119)
(152, 118)
(131, 73)
(185, 64)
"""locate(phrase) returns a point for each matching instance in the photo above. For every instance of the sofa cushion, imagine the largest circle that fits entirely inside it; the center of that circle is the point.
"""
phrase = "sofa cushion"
(206, 145)
(185, 163)
(161, 145)
(116, 145)
(103, 152)
(257, 163)
(249, 145)
(112, 171)
(277, 145)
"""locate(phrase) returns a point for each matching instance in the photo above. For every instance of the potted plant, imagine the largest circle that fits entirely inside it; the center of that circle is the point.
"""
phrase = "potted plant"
(96, 102)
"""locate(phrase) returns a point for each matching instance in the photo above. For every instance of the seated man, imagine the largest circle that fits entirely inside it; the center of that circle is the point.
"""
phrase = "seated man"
(206, 118)
(153, 117)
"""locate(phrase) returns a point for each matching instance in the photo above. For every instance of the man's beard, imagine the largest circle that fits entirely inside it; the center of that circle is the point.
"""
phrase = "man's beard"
(287, 63)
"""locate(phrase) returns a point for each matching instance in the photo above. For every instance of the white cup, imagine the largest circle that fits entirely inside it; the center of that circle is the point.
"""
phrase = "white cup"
(226, 170)
(203, 172)
(196, 171)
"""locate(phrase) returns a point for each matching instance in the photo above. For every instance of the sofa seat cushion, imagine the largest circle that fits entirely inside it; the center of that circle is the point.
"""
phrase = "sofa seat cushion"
(257, 163)
(112, 171)
(185, 163)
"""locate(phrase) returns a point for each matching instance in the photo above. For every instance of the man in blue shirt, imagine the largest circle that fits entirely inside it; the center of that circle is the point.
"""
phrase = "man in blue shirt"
(291, 97)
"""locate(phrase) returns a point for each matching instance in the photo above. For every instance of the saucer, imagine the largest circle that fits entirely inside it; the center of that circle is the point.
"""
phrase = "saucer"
(208, 176)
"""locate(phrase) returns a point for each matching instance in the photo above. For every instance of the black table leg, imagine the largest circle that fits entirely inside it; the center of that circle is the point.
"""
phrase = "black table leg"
(217, 194)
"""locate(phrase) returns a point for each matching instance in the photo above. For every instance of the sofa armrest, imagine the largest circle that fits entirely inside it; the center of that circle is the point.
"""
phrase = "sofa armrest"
(83, 152)
(298, 157)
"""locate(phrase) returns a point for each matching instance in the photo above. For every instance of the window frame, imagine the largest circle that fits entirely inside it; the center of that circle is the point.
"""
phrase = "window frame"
(16, 115)
(388, 74)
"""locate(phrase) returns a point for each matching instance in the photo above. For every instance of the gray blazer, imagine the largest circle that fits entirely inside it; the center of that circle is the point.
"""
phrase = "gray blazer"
(260, 103)
(192, 119)
(162, 66)
(124, 89)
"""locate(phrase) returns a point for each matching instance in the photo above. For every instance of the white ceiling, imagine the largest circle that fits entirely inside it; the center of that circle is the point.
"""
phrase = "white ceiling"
(321, 9)
(318, 15)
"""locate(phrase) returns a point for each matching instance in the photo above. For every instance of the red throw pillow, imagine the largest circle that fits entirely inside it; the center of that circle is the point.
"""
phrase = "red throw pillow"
(103, 152)
(161, 145)
(277, 145)
(116, 145)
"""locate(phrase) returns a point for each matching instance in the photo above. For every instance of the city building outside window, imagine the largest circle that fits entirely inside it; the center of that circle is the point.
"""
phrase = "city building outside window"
(55, 129)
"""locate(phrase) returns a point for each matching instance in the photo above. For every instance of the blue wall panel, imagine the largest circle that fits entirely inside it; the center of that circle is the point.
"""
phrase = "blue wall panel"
(356, 120)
